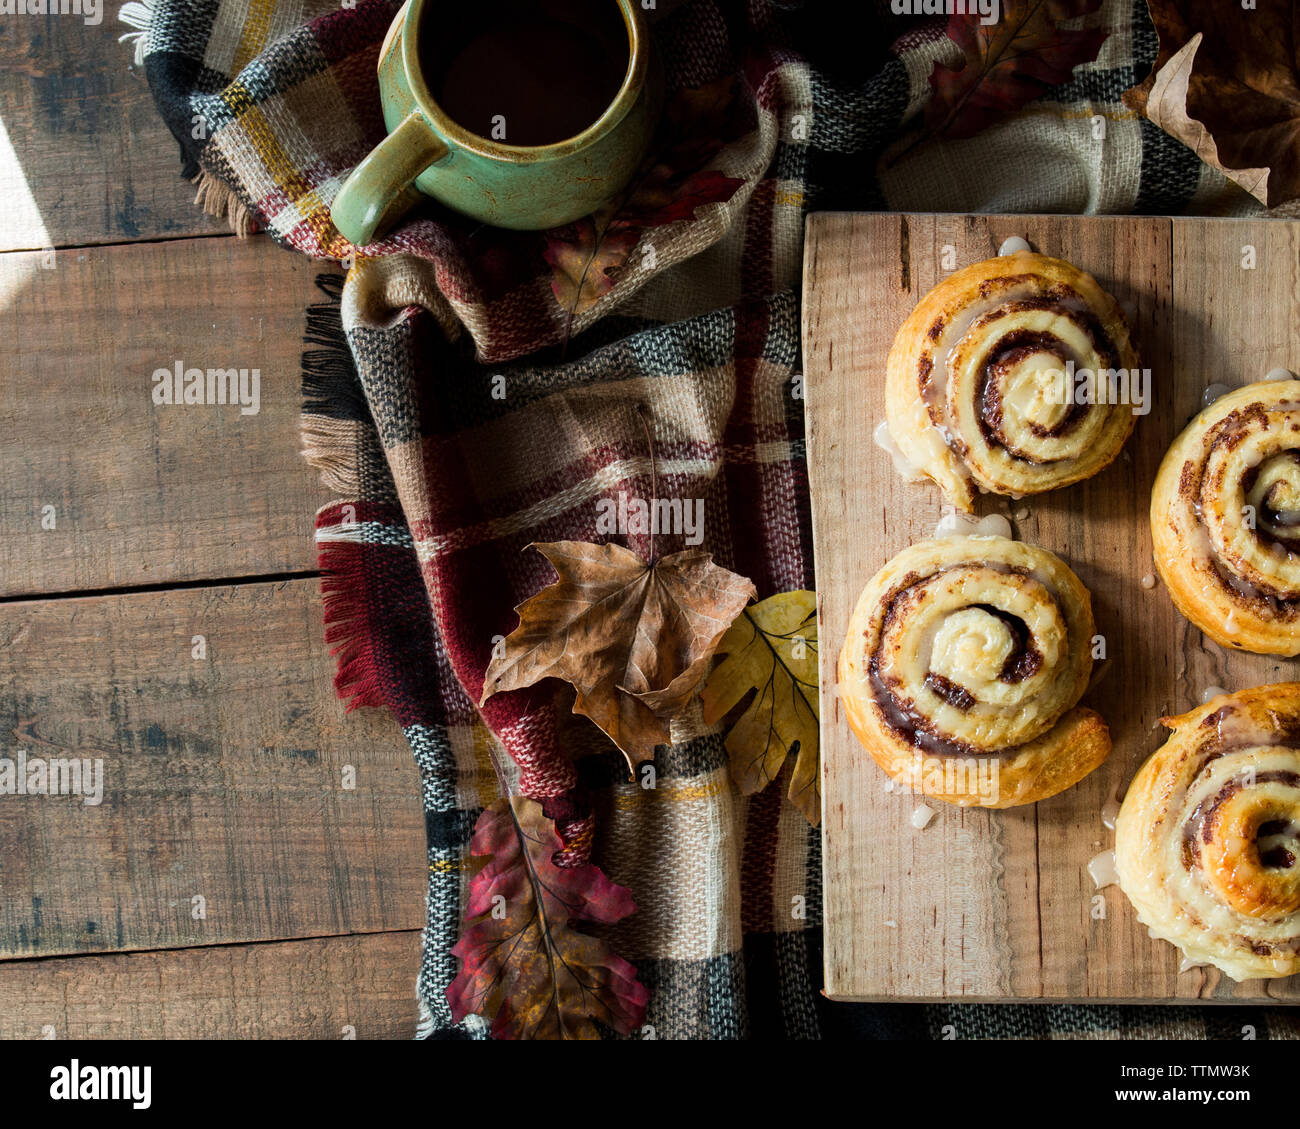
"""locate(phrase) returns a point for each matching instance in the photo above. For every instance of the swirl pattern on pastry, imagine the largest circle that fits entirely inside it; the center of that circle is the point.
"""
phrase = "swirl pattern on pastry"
(962, 669)
(1207, 842)
(978, 394)
(1225, 519)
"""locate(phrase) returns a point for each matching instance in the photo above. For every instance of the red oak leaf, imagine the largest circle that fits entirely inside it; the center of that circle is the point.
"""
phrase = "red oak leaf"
(524, 964)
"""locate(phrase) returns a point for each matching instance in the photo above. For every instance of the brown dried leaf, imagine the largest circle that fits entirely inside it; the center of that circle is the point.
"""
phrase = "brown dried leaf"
(582, 257)
(633, 639)
(1226, 83)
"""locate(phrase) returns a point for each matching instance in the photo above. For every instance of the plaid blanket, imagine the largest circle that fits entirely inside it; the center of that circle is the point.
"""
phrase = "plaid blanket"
(458, 413)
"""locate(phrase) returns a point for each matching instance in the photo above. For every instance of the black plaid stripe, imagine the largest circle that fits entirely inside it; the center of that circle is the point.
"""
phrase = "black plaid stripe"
(449, 829)
(781, 986)
(1170, 173)
(1170, 170)
(464, 387)
(282, 66)
(851, 128)
(681, 761)
(696, 999)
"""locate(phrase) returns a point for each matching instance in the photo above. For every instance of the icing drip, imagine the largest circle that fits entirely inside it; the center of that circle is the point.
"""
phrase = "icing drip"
(1102, 870)
(954, 524)
(885, 441)
(1214, 392)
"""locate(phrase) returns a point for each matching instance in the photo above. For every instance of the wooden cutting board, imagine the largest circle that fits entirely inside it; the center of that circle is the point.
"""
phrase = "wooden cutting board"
(998, 905)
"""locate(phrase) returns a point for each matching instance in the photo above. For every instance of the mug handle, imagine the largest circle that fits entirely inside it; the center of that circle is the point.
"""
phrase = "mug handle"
(379, 190)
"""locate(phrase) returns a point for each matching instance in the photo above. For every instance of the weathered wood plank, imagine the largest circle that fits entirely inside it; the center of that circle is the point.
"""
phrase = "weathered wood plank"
(998, 905)
(84, 156)
(143, 493)
(336, 987)
(223, 778)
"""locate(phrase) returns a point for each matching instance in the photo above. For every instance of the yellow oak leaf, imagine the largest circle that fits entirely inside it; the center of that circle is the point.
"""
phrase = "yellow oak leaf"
(771, 654)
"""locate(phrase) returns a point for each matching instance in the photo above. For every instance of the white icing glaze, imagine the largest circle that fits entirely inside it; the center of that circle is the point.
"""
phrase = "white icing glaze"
(1148, 581)
(922, 816)
(1279, 374)
(1187, 963)
(1109, 813)
(1102, 870)
(1214, 392)
(885, 441)
(954, 524)
(1014, 244)
(1210, 693)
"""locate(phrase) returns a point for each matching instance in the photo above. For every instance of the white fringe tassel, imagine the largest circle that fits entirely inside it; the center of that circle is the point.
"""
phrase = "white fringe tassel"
(424, 1028)
(139, 15)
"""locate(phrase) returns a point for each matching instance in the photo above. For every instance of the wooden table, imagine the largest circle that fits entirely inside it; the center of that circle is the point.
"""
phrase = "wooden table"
(229, 884)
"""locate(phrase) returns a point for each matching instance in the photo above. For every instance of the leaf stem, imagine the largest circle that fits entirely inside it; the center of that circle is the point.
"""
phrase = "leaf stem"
(654, 489)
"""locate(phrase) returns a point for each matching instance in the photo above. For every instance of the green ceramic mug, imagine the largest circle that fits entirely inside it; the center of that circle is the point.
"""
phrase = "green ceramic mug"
(517, 186)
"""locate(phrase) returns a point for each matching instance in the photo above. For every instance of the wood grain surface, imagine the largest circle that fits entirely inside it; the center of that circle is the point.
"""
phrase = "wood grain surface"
(359, 987)
(224, 778)
(998, 905)
(146, 493)
(84, 156)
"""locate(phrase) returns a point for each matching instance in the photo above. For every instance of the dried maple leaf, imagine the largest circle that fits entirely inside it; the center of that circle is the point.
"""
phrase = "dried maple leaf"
(581, 257)
(771, 652)
(523, 963)
(1226, 83)
(1008, 63)
(669, 187)
(633, 639)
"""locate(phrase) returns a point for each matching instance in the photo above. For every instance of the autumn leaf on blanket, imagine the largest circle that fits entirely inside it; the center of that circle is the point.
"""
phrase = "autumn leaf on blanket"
(1226, 83)
(523, 963)
(771, 653)
(585, 256)
(669, 187)
(633, 639)
(1008, 62)
(582, 256)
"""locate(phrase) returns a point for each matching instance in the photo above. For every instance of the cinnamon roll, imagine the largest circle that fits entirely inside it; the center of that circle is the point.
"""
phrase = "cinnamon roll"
(1207, 841)
(1013, 376)
(1225, 519)
(962, 669)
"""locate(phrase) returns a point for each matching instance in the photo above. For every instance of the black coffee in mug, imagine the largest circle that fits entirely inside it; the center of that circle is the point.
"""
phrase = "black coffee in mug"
(524, 72)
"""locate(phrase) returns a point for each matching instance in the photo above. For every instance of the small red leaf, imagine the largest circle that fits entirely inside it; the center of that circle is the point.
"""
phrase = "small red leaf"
(1008, 63)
